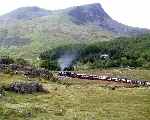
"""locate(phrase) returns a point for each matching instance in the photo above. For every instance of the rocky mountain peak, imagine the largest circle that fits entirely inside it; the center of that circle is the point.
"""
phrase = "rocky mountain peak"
(88, 13)
(95, 14)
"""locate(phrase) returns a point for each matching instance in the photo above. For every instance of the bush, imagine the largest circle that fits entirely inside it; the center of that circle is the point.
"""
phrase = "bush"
(51, 65)
(8, 71)
(21, 61)
(147, 65)
(6, 60)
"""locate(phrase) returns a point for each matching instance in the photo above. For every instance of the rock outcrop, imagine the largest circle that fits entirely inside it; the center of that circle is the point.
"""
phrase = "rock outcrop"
(23, 87)
(95, 14)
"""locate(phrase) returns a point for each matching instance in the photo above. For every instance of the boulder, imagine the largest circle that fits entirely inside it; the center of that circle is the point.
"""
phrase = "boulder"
(24, 87)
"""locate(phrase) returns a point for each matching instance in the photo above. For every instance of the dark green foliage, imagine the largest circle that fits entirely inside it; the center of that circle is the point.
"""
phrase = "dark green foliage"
(49, 58)
(6, 60)
(51, 65)
(21, 61)
(122, 52)
(57, 52)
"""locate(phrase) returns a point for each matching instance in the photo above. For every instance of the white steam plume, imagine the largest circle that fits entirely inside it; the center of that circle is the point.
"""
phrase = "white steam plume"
(66, 60)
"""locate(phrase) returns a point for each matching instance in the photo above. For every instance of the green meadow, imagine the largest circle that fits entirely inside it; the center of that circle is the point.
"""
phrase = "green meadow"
(68, 100)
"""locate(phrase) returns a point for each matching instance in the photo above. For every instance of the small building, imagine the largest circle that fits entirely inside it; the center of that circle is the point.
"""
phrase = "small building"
(104, 56)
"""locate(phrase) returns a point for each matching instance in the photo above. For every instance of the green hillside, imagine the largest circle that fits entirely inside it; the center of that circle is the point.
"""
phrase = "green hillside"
(28, 31)
(29, 37)
(121, 52)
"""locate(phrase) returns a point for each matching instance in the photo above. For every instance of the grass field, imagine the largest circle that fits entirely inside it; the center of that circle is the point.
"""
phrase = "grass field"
(140, 74)
(77, 101)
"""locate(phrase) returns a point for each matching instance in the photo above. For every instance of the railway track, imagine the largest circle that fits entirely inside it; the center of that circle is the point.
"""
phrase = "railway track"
(104, 78)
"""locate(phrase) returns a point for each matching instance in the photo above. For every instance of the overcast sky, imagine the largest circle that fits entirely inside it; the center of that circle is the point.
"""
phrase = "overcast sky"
(130, 12)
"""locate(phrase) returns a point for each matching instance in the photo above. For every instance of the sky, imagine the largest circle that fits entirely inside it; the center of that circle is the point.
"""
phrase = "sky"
(130, 12)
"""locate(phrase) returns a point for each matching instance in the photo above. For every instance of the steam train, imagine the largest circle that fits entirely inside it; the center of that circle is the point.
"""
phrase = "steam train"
(103, 78)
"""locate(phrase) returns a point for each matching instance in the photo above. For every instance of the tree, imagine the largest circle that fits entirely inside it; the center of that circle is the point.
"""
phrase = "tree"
(21, 61)
(51, 65)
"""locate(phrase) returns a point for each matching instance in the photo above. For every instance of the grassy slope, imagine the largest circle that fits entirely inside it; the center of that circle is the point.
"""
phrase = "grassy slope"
(49, 32)
(139, 74)
(76, 102)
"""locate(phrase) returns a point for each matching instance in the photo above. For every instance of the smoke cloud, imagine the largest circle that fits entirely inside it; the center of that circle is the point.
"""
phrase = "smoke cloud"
(66, 60)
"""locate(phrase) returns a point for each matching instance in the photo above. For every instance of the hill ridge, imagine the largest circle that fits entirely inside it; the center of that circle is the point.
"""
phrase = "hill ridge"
(28, 37)
(24, 13)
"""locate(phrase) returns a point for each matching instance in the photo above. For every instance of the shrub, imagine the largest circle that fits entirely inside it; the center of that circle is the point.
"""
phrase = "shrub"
(51, 65)
(21, 61)
(6, 60)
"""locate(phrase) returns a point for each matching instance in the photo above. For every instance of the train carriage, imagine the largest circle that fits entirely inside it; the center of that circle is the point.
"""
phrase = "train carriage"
(103, 78)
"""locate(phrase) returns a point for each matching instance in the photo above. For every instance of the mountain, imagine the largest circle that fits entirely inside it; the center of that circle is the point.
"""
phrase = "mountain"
(24, 13)
(94, 13)
(88, 13)
(25, 32)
